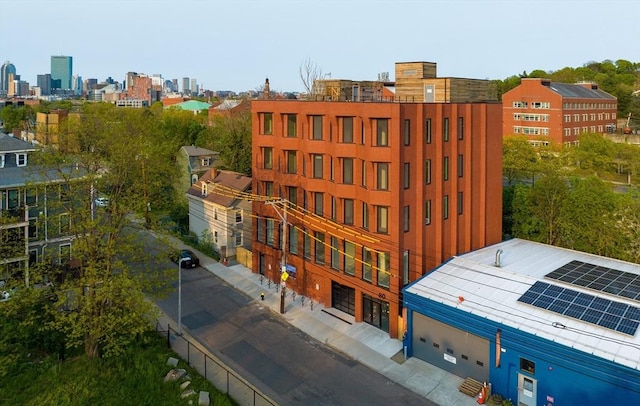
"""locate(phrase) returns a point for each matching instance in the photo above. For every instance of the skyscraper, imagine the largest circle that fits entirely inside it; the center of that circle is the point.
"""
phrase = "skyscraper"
(5, 70)
(61, 72)
(44, 83)
(185, 86)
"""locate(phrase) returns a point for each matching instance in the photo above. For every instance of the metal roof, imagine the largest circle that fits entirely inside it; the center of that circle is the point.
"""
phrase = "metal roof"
(579, 91)
(492, 292)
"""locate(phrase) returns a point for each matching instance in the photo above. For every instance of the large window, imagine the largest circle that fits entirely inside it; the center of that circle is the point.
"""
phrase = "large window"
(382, 132)
(383, 269)
(382, 171)
(347, 170)
(267, 123)
(260, 230)
(319, 243)
(318, 203)
(293, 239)
(349, 258)
(347, 129)
(348, 211)
(316, 127)
(317, 166)
(267, 157)
(382, 213)
(335, 252)
(268, 188)
(292, 125)
(271, 232)
(367, 264)
(292, 194)
(292, 162)
(445, 129)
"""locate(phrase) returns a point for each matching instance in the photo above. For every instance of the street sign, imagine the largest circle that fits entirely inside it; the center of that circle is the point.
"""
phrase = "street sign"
(284, 276)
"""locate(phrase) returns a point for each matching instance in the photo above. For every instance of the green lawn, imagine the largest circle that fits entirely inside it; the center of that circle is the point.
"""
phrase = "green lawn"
(134, 379)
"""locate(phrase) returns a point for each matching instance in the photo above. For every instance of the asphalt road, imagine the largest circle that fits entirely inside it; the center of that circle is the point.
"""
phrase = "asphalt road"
(285, 363)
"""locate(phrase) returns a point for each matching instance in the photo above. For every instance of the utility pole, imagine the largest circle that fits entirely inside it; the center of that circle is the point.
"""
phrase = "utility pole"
(283, 257)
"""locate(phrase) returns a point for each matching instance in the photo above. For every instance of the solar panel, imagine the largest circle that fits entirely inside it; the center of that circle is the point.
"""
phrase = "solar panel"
(582, 306)
(600, 278)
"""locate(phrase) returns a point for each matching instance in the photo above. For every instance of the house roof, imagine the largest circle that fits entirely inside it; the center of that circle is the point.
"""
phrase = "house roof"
(10, 143)
(228, 104)
(579, 91)
(192, 105)
(492, 292)
(229, 180)
(193, 151)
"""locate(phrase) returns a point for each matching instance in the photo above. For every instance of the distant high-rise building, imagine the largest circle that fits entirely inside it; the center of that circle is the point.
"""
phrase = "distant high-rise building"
(175, 84)
(5, 70)
(194, 87)
(185, 86)
(61, 72)
(44, 83)
(76, 81)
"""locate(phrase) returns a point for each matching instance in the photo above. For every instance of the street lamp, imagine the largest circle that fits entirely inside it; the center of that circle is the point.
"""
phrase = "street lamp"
(180, 295)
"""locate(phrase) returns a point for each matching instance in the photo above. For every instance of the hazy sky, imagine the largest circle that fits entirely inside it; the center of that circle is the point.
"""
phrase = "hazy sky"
(236, 44)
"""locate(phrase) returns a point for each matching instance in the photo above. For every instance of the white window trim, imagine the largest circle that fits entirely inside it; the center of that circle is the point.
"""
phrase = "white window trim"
(21, 155)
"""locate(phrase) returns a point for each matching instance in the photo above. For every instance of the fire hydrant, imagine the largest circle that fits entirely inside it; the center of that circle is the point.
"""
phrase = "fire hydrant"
(262, 295)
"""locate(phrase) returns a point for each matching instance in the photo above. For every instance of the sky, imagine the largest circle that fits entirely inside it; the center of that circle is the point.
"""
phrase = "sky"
(236, 44)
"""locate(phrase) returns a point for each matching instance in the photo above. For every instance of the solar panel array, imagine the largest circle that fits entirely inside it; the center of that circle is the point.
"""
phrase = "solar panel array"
(613, 281)
(583, 306)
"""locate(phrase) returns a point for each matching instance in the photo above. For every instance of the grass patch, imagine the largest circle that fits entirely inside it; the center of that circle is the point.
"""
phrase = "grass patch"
(135, 378)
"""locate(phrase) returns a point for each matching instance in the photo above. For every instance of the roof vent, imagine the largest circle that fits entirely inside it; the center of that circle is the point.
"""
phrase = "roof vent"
(498, 253)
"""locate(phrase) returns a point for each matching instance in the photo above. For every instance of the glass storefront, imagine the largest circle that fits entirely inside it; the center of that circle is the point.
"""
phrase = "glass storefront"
(375, 312)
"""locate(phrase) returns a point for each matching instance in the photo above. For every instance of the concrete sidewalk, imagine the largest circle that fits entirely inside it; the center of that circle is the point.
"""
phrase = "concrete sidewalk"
(360, 341)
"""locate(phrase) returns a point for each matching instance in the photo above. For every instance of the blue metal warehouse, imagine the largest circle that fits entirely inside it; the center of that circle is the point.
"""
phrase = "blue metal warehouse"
(543, 325)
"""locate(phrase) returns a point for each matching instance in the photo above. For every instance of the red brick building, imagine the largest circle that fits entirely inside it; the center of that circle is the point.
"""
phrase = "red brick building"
(557, 113)
(376, 195)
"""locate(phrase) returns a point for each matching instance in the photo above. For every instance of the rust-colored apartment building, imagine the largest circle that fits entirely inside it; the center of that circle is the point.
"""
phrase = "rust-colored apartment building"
(375, 193)
(548, 112)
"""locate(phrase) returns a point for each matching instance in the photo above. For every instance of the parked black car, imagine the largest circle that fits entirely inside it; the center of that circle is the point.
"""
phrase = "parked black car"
(189, 259)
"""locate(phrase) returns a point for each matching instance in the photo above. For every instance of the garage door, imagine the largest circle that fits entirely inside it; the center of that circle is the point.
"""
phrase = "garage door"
(449, 348)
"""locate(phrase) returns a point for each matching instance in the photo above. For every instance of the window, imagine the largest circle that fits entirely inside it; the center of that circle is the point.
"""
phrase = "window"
(347, 171)
(317, 166)
(405, 177)
(267, 123)
(21, 159)
(427, 131)
(268, 188)
(460, 128)
(238, 238)
(349, 258)
(32, 197)
(204, 188)
(383, 219)
(64, 192)
(64, 253)
(334, 208)
(33, 228)
(271, 232)
(260, 230)
(317, 127)
(383, 269)
(292, 194)
(445, 168)
(331, 169)
(215, 214)
(528, 366)
(267, 157)
(292, 125)
(318, 203)
(363, 173)
(383, 175)
(215, 237)
(335, 252)
(347, 129)
(445, 207)
(293, 239)
(367, 262)
(427, 212)
(365, 215)
(319, 251)
(292, 162)
(460, 202)
(407, 132)
(445, 129)
(12, 199)
(348, 211)
(238, 216)
(405, 218)
(405, 267)
(382, 132)
(64, 224)
(460, 165)
(427, 171)
(307, 245)
(206, 161)
(1, 160)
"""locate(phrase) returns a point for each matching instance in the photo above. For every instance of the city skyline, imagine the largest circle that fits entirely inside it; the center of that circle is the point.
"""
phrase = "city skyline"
(236, 45)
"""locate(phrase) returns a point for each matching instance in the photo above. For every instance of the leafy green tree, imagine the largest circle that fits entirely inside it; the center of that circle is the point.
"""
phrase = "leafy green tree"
(548, 197)
(594, 154)
(525, 224)
(232, 138)
(13, 117)
(519, 158)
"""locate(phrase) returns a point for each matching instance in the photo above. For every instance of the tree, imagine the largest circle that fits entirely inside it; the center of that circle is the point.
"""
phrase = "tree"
(594, 154)
(548, 197)
(309, 72)
(519, 159)
(100, 299)
(231, 136)
(13, 118)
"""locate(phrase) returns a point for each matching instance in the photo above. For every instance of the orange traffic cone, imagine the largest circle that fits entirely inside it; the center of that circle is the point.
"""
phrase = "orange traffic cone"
(482, 396)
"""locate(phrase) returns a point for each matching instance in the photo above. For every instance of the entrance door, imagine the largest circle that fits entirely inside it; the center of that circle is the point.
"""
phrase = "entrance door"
(343, 298)
(429, 94)
(262, 264)
(527, 390)
(375, 312)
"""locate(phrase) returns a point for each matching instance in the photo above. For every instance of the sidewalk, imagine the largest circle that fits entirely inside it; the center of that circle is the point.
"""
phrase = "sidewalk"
(362, 342)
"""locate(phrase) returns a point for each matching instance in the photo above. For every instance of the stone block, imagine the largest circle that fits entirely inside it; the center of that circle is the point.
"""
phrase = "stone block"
(203, 398)
(187, 393)
(172, 362)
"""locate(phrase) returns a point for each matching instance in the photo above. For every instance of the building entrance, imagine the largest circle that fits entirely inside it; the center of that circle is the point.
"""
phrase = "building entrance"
(375, 312)
(343, 298)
